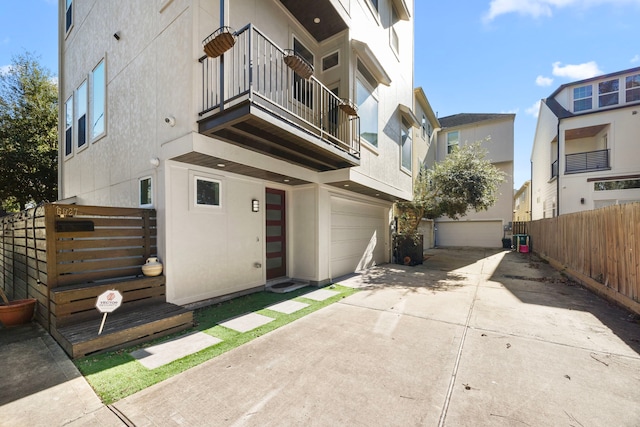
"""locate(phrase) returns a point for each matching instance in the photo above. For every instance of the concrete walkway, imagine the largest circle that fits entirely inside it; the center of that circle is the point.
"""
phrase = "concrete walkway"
(470, 338)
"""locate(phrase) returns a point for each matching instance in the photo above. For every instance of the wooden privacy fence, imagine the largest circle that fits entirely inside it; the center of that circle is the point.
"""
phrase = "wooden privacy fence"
(600, 248)
(66, 255)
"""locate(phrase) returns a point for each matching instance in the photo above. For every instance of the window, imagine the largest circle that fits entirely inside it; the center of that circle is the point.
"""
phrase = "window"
(146, 198)
(405, 146)
(98, 101)
(367, 105)
(207, 192)
(582, 98)
(68, 15)
(374, 3)
(302, 90)
(608, 93)
(68, 126)
(453, 140)
(632, 86)
(626, 184)
(330, 61)
(81, 100)
(424, 127)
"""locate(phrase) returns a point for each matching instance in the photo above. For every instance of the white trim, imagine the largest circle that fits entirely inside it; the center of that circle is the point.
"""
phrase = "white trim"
(194, 177)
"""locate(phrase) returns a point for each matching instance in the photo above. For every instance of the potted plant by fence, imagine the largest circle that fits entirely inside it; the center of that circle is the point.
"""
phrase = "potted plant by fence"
(16, 312)
(464, 180)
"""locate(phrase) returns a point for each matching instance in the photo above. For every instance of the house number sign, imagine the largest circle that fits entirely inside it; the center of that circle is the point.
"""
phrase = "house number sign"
(106, 303)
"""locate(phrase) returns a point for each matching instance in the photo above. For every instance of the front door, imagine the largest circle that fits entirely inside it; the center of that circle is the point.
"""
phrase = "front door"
(276, 234)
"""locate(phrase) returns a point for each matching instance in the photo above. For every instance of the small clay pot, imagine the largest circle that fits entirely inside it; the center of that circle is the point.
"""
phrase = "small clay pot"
(17, 312)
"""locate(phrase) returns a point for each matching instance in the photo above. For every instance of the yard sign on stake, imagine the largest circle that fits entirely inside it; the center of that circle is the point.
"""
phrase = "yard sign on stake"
(108, 302)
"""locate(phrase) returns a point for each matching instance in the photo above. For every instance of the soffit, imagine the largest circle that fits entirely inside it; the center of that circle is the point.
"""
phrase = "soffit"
(586, 132)
(305, 12)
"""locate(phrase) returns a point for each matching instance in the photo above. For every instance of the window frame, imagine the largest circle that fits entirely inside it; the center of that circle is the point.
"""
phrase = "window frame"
(201, 177)
(150, 191)
(367, 84)
(68, 129)
(82, 103)
(103, 84)
(406, 142)
(606, 95)
(337, 64)
(68, 16)
(449, 144)
(632, 84)
(582, 98)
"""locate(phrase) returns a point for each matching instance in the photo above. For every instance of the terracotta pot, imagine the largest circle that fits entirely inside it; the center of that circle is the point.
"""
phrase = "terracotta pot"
(17, 312)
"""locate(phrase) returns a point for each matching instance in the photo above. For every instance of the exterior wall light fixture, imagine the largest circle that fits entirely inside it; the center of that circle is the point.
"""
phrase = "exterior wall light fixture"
(255, 205)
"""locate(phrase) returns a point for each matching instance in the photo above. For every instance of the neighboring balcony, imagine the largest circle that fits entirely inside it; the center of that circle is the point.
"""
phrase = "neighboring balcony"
(587, 162)
(251, 98)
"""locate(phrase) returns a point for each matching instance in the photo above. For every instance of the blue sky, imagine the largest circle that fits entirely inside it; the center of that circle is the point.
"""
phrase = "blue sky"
(472, 56)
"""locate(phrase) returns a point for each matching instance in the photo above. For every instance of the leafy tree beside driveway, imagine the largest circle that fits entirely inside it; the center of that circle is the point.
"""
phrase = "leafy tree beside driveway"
(28, 134)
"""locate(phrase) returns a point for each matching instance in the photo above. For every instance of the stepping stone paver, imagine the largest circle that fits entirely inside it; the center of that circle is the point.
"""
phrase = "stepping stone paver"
(246, 322)
(288, 307)
(320, 294)
(166, 352)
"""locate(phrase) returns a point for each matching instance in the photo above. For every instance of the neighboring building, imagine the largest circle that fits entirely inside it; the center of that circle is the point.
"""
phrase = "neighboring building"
(425, 151)
(485, 228)
(257, 174)
(585, 151)
(522, 203)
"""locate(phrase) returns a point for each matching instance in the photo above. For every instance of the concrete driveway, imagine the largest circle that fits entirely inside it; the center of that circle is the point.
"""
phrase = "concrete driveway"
(470, 338)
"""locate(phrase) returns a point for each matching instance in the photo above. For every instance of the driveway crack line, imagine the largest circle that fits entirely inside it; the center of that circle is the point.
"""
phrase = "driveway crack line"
(454, 373)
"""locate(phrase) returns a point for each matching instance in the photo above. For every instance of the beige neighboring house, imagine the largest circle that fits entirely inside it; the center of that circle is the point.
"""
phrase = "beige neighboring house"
(485, 228)
(585, 151)
(425, 151)
(522, 203)
(259, 174)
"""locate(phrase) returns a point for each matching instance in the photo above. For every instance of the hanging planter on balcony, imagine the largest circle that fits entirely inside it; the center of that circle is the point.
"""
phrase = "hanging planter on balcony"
(298, 64)
(348, 106)
(220, 41)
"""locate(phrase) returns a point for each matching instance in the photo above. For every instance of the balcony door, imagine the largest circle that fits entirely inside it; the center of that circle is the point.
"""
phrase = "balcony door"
(276, 242)
(302, 88)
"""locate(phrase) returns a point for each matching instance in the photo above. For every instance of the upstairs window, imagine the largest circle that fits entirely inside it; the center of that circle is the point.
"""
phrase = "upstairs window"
(98, 101)
(146, 198)
(302, 90)
(68, 126)
(367, 105)
(582, 98)
(608, 93)
(82, 114)
(68, 17)
(406, 147)
(632, 86)
(423, 126)
(453, 140)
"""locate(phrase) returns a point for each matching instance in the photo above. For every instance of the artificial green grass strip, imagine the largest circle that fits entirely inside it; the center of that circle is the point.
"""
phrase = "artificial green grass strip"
(115, 375)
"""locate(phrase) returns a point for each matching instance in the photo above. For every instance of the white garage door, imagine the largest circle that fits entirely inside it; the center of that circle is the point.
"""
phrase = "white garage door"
(359, 235)
(483, 234)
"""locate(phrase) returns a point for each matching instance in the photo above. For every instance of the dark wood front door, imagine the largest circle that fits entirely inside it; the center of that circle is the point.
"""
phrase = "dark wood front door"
(276, 234)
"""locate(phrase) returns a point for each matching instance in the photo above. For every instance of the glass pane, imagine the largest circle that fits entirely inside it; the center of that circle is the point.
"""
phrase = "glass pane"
(145, 191)
(330, 61)
(274, 262)
(98, 100)
(633, 81)
(368, 112)
(274, 215)
(608, 86)
(274, 231)
(274, 199)
(274, 247)
(207, 192)
(633, 95)
(406, 149)
(582, 92)
(582, 104)
(609, 99)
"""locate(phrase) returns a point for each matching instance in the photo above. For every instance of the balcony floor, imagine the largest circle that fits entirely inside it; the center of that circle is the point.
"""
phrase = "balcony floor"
(251, 126)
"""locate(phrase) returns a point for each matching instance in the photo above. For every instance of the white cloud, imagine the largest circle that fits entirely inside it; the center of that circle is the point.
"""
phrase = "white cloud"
(576, 71)
(635, 59)
(538, 8)
(4, 69)
(544, 81)
(534, 110)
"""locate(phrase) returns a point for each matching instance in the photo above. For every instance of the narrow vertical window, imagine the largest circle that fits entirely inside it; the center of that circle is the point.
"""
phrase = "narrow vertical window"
(68, 126)
(424, 127)
(98, 99)
(453, 140)
(68, 15)
(302, 89)
(146, 197)
(81, 100)
(367, 104)
(405, 144)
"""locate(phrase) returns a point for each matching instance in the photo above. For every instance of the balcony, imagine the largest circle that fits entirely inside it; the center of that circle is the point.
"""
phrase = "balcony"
(587, 162)
(252, 99)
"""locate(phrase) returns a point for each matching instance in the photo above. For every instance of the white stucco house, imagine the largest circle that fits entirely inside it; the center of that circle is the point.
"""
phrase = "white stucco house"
(496, 134)
(258, 173)
(585, 151)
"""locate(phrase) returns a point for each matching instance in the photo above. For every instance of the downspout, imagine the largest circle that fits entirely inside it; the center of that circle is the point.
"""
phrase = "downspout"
(531, 190)
(61, 105)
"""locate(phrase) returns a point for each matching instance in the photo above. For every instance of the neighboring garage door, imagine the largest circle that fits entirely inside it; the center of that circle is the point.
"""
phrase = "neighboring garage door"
(483, 234)
(358, 236)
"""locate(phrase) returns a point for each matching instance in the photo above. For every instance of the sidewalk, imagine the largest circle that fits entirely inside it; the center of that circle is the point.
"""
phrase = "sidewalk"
(470, 338)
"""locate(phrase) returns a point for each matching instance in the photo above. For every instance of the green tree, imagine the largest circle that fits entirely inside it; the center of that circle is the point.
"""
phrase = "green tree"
(28, 133)
(465, 180)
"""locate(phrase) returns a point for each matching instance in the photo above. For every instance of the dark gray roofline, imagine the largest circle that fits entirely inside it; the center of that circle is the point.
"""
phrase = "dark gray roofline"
(603, 76)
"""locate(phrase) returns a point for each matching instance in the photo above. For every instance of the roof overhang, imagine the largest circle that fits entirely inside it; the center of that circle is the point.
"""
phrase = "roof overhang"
(402, 9)
(408, 115)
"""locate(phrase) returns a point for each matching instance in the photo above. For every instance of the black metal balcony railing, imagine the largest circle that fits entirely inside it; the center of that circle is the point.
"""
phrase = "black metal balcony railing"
(588, 161)
(254, 70)
(554, 169)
